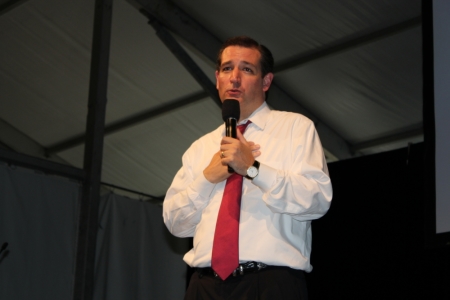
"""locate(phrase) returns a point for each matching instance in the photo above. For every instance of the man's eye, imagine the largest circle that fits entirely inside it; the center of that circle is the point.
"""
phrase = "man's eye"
(226, 68)
(248, 70)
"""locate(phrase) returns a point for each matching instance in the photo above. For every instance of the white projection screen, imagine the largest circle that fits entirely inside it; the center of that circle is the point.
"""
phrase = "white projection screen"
(441, 37)
(436, 54)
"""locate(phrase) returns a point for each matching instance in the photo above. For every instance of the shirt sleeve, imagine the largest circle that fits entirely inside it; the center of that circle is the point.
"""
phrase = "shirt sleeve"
(303, 189)
(186, 199)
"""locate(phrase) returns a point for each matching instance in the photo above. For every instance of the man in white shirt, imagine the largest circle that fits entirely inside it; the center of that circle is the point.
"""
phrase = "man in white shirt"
(285, 186)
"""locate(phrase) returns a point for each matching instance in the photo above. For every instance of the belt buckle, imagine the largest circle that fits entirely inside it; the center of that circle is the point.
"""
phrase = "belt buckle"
(260, 265)
(255, 266)
(241, 271)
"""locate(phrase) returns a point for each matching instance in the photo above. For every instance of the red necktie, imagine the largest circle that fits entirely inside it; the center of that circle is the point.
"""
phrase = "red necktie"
(225, 251)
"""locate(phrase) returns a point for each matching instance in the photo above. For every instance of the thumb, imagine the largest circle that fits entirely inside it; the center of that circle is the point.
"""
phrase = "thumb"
(241, 137)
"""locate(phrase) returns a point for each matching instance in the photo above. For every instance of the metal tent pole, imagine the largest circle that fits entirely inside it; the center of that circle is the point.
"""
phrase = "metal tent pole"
(93, 153)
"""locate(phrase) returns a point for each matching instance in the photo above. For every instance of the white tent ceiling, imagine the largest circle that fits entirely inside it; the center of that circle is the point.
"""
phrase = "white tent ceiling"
(354, 67)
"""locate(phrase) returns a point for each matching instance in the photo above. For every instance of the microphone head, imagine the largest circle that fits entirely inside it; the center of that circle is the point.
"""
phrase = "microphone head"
(230, 109)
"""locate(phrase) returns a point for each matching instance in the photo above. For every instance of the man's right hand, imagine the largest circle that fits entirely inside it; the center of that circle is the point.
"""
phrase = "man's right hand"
(216, 172)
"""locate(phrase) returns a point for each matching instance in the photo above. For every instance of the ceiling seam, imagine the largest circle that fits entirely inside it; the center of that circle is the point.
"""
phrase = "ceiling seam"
(347, 45)
(129, 121)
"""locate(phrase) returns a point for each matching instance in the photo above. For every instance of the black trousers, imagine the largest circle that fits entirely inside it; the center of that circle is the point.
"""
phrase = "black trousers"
(267, 284)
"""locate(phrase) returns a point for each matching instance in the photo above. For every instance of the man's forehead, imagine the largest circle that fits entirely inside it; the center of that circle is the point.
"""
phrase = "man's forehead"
(243, 55)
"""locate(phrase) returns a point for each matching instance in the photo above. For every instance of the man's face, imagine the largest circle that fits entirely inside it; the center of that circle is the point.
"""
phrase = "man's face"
(239, 77)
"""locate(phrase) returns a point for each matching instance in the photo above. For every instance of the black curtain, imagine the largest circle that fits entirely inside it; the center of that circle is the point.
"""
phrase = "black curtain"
(371, 243)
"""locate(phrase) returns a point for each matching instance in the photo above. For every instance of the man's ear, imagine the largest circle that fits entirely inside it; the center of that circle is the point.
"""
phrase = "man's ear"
(217, 79)
(267, 81)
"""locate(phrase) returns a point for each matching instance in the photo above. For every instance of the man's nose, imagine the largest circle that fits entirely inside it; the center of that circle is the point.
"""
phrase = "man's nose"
(235, 76)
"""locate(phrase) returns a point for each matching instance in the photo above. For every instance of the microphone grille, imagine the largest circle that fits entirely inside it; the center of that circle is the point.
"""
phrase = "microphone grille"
(230, 109)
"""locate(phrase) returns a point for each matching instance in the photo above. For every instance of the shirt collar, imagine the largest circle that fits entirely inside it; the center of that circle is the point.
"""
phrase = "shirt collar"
(259, 117)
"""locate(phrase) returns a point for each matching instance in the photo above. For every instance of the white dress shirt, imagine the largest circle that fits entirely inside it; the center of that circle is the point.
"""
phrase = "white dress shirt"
(292, 188)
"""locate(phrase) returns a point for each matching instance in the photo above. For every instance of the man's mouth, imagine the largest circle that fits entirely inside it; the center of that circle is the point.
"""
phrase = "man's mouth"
(234, 92)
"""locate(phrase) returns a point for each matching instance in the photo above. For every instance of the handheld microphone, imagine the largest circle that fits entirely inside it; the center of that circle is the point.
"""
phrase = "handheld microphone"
(230, 115)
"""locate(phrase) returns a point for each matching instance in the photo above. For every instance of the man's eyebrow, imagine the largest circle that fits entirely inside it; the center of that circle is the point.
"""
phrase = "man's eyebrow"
(242, 62)
(248, 63)
(226, 63)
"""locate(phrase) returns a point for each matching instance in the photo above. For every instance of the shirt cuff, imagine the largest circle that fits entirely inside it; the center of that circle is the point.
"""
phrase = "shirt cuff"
(266, 178)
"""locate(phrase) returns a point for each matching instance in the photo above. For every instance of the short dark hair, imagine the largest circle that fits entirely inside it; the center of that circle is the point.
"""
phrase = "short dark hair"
(266, 60)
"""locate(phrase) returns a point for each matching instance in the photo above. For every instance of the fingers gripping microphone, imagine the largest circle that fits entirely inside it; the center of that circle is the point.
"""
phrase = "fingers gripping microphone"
(230, 115)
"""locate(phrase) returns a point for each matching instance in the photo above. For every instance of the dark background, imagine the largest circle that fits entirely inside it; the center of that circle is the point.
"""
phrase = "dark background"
(371, 243)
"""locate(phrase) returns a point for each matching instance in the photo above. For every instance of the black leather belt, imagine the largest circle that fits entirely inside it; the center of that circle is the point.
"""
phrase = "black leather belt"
(248, 267)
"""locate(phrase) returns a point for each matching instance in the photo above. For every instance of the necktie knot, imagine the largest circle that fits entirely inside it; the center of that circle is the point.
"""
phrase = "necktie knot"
(242, 127)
